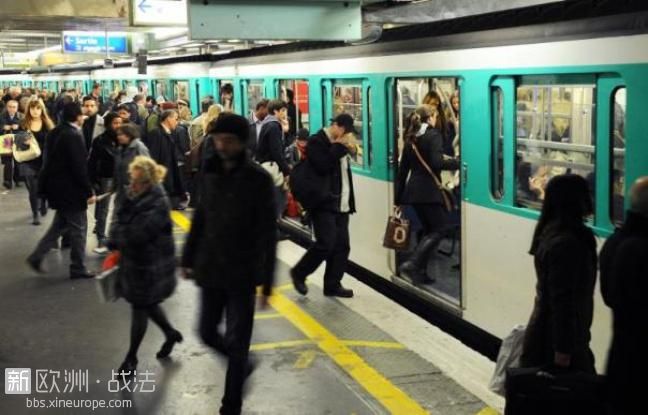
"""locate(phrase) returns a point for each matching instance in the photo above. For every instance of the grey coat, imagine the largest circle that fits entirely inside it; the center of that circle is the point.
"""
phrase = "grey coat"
(123, 158)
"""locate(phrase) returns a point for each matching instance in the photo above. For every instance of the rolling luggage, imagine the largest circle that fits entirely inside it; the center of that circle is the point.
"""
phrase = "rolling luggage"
(534, 391)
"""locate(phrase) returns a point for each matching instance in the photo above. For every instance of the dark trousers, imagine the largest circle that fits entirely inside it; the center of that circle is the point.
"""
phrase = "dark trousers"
(74, 225)
(9, 174)
(101, 209)
(331, 245)
(235, 344)
(433, 217)
(31, 182)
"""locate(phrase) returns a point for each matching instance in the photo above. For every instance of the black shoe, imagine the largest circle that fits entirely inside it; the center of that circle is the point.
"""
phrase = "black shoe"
(167, 346)
(18, 184)
(43, 209)
(338, 291)
(81, 275)
(298, 283)
(36, 265)
(35, 221)
(7, 185)
(65, 244)
(127, 369)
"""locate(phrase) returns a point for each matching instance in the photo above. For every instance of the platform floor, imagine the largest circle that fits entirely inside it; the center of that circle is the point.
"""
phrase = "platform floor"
(365, 355)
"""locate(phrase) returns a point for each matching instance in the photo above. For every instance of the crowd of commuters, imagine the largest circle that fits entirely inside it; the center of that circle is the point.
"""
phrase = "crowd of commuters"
(237, 171)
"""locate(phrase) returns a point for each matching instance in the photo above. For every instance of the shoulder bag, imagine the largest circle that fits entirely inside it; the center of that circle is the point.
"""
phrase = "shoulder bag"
(448, 198)
(32, 152)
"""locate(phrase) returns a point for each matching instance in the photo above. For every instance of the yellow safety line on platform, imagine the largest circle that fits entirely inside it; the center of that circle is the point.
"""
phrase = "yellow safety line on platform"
(488, 411)
(266, 316)
(385, 392)
(380, 345)
(280, 345)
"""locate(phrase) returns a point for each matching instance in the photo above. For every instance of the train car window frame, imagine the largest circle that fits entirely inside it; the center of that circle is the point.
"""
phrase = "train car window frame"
(303, 117)
(337, 106)
(250, 102)
(618, 109)
(497, 188)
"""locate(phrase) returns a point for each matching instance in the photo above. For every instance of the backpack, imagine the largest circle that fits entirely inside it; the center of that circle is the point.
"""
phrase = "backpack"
(309, 188)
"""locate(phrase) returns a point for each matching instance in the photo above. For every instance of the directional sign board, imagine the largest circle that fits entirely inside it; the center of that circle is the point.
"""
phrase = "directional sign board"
(94, 42)
(159, 12)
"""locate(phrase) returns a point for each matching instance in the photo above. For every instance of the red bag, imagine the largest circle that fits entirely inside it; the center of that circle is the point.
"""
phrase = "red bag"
(292, 207)
(111, 260)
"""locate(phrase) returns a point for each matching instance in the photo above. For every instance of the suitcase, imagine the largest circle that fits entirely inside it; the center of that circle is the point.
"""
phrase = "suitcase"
(531, 391)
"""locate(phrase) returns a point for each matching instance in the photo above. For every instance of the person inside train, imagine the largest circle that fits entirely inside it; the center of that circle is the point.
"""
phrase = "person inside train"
(256, 120)
(162, 143)
(624, 286)
(227, 97)
(230, 250)
(196, 130)
(65, 183)
(446, 128)
(329, 154)
(10, 120)
(270, 150)
(417, 184)
(564, 251)
(151, 104)
(93, 126)
(37, 124)
(293, 122)
(143, 236)
(101, 169)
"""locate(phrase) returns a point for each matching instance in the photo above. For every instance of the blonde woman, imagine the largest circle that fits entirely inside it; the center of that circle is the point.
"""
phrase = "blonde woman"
(143, 235)
(37, 123)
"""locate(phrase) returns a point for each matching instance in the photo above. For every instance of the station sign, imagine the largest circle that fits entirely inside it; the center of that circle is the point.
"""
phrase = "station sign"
(158, 12)
(94, 42)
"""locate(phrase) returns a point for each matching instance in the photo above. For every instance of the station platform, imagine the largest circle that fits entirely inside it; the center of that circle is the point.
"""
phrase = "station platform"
(317, 355)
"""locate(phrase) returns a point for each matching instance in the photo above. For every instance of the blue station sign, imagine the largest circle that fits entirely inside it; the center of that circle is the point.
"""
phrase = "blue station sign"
(94, 42)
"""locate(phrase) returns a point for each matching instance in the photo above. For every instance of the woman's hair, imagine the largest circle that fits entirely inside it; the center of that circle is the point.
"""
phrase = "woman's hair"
(212, 113)
(151, 172)
(566, 204)
(421, 115)
(48, 124)
(442, 122)
(108, 119)
(129, 131)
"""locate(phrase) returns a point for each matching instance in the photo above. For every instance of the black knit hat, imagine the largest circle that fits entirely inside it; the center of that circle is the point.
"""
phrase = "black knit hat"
(230, 123)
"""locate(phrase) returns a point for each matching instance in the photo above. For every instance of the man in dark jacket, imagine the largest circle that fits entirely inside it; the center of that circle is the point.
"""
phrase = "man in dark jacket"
(624, 283)
(9, 123)
(65, 183)
(256, 120)
(328, 153)
(231, 249)
(270, 149)
(93, 126)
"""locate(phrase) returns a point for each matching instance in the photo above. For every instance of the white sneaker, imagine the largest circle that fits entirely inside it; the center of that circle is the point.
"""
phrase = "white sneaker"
(100, 250)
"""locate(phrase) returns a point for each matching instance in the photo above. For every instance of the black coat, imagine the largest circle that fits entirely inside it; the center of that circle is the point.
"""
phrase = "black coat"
(232, 241)
(624, 284)
(144, 237)
(565, 262)
(64, 180)
(324, 157)
(271, 144)
(421, 187)
(163, 149)
(101, 161)
(33, 167)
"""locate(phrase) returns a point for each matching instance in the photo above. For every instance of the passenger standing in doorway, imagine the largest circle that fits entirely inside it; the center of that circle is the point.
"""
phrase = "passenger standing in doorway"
(231, 249)
(93, 126)
(101, 169)
(564, 251)
(270, 148)
(10, 123)
(143, 236)
(256, 120)
(624, 284)
(420, 190)
(38, 124)
(329, 153)
(65, 183)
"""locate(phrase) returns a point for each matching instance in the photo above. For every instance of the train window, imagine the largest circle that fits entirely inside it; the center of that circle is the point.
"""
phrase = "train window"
(347, 98)
(296, 91)
(226, 91)
(554, 136)
(497, 163)
(142, 87)
(618, 156)
(369, 127)
(255, 93)
(181, 90)
(160, 91)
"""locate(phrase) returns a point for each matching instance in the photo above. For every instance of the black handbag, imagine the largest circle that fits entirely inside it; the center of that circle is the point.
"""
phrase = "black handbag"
(534, 391)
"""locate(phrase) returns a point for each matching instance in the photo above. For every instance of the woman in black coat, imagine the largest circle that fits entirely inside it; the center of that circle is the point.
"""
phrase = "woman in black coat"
(564, 250)
(143, 235)
(420, 190)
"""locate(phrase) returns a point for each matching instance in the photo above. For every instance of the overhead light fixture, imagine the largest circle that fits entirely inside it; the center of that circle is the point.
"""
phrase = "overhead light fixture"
(234, 40)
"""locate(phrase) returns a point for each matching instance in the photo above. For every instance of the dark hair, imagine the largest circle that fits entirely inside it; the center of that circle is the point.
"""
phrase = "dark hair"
(302, 134)
(108, 119)
(276, 105)
(415, 120)
(441, 118)
(150, 98)
(166, 114)
(71, 111)
(96, 85)
(290, 94)
(206, 102)
(129, 130)
(228, 88)
(125, 107)
(567, 202)
(262, 104)
(230, 123)
(89, 98)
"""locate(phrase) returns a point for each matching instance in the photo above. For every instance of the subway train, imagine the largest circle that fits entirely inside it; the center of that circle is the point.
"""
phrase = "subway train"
(533, 102)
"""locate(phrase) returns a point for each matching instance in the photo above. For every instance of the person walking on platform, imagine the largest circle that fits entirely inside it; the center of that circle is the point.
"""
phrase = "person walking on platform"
(37, 124)
(101, 169)
(329, 153)
(10, 123)
(143, 236)
(231, 249)
(93, 126)
(564, 250)
(65, 183)
(624, 283)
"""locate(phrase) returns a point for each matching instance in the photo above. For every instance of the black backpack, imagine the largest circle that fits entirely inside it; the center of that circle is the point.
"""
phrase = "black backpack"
(308, 187)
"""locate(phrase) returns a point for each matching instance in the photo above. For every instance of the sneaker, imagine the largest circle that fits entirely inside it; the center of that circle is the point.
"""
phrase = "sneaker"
(100, 250)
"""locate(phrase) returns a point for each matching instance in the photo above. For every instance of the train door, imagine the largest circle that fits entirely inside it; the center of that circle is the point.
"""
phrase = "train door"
(255, 92)
(296, 91)
(435, 260)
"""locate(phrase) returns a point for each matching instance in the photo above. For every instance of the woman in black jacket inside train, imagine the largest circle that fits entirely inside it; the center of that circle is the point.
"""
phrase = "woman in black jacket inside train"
(564, 251)
(421, 190)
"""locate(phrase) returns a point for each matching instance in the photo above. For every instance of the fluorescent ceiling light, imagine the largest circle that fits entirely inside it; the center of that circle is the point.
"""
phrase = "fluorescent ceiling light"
(234, 40)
